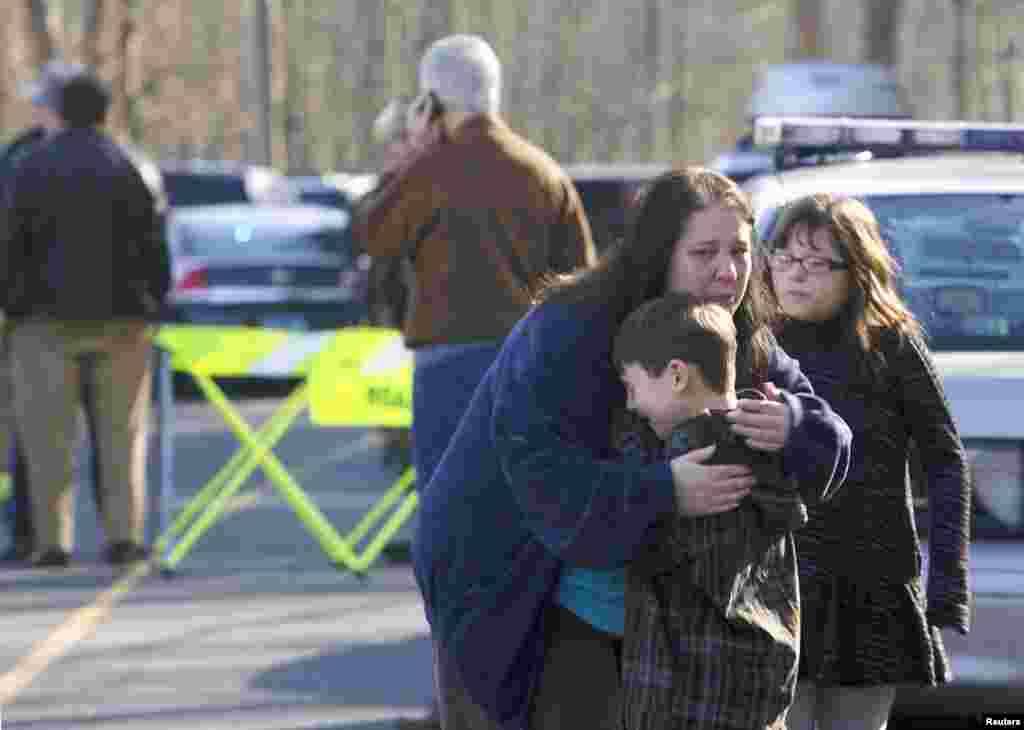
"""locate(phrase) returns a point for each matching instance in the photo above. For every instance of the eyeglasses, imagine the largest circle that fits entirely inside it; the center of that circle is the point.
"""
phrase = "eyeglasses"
(782, 261)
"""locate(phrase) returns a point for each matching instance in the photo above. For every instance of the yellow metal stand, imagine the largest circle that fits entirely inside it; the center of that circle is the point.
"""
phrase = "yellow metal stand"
(328, 364)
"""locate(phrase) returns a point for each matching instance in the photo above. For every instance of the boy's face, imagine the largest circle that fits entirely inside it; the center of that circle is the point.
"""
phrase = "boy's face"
(658, 398)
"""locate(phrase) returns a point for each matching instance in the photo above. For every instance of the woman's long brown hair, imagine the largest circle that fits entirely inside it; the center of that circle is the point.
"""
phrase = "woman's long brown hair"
(636, 270)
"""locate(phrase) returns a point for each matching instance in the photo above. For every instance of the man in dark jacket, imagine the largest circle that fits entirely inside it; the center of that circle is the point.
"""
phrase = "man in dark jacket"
(85, 271)
(43, 93)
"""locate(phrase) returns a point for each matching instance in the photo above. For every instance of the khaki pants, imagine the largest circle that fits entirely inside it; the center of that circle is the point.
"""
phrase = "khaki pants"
(50, 362)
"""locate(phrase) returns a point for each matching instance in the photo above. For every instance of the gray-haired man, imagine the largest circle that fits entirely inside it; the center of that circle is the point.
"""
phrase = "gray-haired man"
(481, 215)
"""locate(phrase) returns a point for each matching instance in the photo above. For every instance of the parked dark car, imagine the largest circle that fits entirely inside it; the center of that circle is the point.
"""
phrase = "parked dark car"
(210, 182)
(319, 190)
(607, 191)
(283, 266)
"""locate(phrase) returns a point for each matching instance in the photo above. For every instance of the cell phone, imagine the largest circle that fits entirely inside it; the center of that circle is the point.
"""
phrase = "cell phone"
(427, 107)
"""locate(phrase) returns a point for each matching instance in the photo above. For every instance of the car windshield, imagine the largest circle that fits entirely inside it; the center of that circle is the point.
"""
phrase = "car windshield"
(222, 241)
(962, 264)
(185, 188)
(327, 198)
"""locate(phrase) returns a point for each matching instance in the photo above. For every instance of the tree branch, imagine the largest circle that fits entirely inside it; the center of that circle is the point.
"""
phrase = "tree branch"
(882, 30)
(37, 30)
(92, 22)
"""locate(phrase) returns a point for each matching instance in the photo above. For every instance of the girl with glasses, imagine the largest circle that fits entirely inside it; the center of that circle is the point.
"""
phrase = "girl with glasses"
(868, 624)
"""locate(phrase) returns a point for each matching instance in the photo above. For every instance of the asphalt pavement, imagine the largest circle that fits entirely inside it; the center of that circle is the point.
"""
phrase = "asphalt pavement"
(256, 629)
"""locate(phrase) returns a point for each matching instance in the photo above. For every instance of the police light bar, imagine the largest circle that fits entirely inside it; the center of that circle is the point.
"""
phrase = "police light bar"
(894, 136)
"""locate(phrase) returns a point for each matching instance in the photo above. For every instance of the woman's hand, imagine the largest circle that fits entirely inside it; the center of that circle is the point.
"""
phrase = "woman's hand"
(708, 490)
(764, 423)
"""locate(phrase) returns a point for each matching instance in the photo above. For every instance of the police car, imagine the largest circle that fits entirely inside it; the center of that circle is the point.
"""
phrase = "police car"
(949, 197)
(813, 88)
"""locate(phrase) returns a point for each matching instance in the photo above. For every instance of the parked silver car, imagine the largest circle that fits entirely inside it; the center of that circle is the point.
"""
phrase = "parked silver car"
(284, 266)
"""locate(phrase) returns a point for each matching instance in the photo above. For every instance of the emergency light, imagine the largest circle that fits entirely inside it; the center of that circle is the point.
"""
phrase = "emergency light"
(799, 141)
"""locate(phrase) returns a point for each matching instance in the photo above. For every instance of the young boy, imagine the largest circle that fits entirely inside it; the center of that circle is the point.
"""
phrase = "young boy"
(712, 607)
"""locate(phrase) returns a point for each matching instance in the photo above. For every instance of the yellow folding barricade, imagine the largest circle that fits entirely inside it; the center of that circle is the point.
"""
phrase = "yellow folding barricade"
(331, 365)
(363, 378)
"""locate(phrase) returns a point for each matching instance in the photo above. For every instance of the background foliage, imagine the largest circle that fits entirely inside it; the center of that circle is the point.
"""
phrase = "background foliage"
(590, 80)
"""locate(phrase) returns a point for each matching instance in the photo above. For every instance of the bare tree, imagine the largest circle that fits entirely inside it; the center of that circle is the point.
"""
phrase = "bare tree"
(296, 24)
(92, 24)
(965, 25)
(807, 37)
(125, 28)
(373, 73)
(653, 53)
(259, 135)
(435, 22)
(882, 30)
(6, 93)
(586, 78)
(37, 31)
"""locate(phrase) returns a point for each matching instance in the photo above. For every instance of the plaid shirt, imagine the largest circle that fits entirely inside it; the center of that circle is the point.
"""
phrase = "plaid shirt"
(712, 607)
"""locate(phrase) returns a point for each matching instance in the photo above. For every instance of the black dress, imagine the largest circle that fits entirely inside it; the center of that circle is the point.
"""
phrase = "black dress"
(865, 615)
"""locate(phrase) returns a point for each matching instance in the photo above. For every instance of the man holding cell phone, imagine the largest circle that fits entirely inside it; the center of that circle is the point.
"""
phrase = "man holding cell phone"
(480, 216)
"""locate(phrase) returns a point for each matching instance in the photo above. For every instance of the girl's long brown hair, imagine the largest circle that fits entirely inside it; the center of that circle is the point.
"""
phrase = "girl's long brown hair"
(875, 306)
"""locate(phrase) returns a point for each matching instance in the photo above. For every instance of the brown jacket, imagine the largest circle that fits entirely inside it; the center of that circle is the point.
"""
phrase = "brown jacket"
(481, 217)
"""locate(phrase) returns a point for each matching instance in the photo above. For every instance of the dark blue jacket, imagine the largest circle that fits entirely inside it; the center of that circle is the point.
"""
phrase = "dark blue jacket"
(17, 149)
(530, 482)
(81, 238)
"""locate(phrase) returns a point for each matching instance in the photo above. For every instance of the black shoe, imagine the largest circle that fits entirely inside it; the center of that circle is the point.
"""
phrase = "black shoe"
(398, 551)
(126, 552)
(52, 558)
